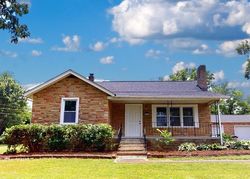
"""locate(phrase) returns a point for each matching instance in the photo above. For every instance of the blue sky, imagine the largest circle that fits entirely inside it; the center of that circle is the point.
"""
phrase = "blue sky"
(129, 40)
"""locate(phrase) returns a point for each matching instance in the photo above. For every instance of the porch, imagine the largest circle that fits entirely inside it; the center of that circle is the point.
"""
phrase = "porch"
(144, 120)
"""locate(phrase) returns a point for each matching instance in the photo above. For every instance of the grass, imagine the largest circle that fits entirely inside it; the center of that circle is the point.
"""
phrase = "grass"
(93, 168)
(230, 157)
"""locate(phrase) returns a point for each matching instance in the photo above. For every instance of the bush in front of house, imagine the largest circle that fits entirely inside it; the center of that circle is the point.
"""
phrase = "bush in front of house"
(239, 145)
(167, 137)
(38, 138)
(187, 146)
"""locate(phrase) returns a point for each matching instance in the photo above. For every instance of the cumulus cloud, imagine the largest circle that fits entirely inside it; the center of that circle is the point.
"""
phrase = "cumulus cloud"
(227, 48)
(37, 40)
(139, 20)
(166, 78)
(98, 46)
(219, 75)
(236, 84)
(71, 44)
(203, 49)
(243, 67)
(181, 66)
(36, 53)
(107, 60)
(6, 53)
(151, 53)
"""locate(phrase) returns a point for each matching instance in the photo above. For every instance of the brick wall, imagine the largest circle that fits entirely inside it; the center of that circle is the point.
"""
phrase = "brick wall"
(229, 126)
(93, 103)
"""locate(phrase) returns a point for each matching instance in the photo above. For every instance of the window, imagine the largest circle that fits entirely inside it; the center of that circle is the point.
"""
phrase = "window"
(175, 116)
(161, 116)
(69, 110)
(188, 116)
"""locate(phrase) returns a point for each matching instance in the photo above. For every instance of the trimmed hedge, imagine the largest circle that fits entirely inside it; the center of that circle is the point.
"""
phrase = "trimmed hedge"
(37, 138)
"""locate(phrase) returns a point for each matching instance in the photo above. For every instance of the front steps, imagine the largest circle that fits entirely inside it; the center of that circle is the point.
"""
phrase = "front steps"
(132, 147)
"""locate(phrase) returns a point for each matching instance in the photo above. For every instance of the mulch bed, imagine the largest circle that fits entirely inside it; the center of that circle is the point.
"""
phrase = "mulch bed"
(156, 154)
(92, 155)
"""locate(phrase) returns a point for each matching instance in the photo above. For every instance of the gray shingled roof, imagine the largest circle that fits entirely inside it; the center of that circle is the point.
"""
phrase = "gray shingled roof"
(174, 89)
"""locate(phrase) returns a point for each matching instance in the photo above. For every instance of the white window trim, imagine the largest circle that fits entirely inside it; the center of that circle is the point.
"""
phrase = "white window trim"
(63, 107)
(195, 110)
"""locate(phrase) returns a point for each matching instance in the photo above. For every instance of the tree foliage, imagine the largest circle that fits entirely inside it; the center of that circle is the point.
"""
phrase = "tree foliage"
(10, 12)
(13, 106)
(244, 49)
(234, 105)
(188, 74)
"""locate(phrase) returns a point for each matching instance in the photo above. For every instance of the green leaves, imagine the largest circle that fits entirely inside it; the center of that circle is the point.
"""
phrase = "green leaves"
(10, 11)
(244, 49)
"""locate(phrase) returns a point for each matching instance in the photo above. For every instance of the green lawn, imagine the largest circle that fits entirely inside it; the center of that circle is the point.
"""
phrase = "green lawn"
(93, 168)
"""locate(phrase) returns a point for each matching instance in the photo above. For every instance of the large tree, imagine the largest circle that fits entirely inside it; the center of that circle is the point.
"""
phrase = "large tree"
(10, 12)
(188, 74)
(244, 49)
(234, 105)
(13, 105)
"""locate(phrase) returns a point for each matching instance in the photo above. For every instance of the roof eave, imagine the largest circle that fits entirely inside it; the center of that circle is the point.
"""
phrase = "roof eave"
(67, 73)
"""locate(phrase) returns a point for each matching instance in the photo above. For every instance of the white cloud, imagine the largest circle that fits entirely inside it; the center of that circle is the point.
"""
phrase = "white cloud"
(182, 65)
(228, 48)
(219, 75)
(72, 44)
(31, 40)
(243, 67)
(107, 60)
(246, 28)
(151, 53)
(166, 78)
(236, 84)
(203, 49)
(7, 53)
(139, 20)
(98, 46)
(36, 53)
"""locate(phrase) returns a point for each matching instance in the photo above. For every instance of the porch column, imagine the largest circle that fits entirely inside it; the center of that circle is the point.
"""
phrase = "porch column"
(219, 118)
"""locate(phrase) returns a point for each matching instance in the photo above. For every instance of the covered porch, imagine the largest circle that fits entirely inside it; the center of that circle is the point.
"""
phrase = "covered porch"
(143, 118)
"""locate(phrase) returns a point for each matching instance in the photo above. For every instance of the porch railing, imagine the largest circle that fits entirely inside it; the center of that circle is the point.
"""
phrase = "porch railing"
(183, 129)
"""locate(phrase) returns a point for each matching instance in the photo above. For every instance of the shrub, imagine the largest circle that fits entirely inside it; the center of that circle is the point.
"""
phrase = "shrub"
(203, 147)
(240, 145)
(166, 136)
(227, 137)
(30, 136)
(187, 147)
(58, 138)
(217, 147)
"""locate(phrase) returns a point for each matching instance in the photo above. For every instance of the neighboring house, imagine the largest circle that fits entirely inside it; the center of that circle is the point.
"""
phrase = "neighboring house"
(236, 125)
(137, 108)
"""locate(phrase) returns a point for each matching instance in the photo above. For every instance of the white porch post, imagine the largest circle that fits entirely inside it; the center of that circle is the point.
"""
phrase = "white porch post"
(219, 117)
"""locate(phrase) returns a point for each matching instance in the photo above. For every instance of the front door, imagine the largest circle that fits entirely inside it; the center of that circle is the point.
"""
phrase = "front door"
(133, 120)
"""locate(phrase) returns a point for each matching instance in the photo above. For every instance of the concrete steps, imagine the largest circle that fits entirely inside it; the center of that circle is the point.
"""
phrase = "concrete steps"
(132, 147)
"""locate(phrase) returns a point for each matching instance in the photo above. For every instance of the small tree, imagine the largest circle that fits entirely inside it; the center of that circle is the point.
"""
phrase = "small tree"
(244, 49)
(10, 11)
(13, 105)
(166, 136)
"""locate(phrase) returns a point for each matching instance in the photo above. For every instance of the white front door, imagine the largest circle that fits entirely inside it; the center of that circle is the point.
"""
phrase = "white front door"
(133, 120)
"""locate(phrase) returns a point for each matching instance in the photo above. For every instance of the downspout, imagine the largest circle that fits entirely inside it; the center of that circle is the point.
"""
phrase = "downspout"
(220, 127)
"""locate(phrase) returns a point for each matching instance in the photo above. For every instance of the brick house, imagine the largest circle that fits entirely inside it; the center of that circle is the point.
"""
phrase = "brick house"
(135, 108)
(235, 125)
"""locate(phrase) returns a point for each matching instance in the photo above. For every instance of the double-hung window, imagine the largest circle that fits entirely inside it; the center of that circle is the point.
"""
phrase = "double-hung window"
(69, 110)
(175, 116)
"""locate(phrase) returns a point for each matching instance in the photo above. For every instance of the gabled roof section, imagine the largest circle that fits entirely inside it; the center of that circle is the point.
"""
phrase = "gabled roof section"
(67, 73)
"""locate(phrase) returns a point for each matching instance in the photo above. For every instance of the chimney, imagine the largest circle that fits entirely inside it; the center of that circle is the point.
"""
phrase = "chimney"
(91, 77)
(202, 77)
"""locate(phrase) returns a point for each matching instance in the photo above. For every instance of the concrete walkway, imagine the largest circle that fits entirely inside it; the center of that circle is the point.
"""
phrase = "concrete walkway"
(131, 159)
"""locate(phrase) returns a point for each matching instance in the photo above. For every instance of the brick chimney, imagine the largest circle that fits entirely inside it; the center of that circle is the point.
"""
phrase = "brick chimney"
(91, 77)
(202, 77)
